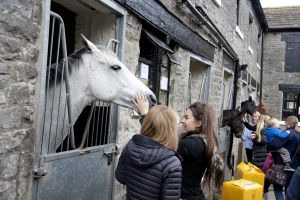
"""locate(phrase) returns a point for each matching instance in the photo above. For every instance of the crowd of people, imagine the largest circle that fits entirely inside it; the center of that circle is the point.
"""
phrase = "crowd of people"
(160, 163)
(272, 145)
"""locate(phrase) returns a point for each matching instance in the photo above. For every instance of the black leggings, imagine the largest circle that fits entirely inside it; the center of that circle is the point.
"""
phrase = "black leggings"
(249, 153)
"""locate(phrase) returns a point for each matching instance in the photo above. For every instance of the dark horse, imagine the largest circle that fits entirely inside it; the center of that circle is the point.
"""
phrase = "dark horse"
(234, 119)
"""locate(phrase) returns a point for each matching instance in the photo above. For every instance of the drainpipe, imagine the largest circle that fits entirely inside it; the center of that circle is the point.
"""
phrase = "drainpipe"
(261, 67)
(211, 27)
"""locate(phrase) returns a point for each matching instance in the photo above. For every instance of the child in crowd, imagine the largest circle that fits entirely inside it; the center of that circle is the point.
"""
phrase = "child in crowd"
(273, 131)
(247, 136)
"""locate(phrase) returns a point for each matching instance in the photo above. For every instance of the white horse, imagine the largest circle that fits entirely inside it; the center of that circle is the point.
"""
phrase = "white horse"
(95, 73)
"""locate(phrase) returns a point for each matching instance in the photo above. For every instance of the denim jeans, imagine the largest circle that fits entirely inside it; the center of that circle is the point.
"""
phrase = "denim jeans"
(278, 191)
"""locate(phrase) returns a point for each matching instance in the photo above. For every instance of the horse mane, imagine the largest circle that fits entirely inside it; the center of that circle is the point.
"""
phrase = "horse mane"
(262, 109)
(74, 60)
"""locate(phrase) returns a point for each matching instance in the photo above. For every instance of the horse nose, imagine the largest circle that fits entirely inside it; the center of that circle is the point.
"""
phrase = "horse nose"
(152, 99)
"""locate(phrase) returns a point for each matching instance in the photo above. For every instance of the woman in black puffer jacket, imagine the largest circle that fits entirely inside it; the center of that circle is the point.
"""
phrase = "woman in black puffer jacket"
(149, 165)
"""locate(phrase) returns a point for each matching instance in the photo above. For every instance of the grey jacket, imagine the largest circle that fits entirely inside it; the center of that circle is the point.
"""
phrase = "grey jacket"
(149, 170)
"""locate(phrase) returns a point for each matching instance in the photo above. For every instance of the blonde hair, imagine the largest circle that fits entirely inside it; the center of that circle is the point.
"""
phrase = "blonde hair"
(260, 125)
(160, 124)
(293, 121)
(272, 122)
(256, 113)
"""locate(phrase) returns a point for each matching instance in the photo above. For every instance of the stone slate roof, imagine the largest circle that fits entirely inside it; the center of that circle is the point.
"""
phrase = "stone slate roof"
(283, 17)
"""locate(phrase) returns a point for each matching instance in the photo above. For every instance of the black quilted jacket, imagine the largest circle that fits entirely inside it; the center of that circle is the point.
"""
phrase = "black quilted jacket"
(149, 170)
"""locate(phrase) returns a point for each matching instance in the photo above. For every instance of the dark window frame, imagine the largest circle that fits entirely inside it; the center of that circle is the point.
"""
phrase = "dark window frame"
(156, 66)
(237, 12)
(290, 97)
(292, 54)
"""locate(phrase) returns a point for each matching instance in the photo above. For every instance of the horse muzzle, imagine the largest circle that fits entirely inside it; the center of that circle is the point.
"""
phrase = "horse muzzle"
(152, 100)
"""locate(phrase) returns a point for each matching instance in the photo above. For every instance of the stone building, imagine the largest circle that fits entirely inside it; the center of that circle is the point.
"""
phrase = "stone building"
(183, 50)
(281, 63)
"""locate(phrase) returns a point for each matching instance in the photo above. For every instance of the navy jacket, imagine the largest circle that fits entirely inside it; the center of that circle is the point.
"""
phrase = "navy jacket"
(149, 170)
(290, 144)
(293, 191)
(192, 150)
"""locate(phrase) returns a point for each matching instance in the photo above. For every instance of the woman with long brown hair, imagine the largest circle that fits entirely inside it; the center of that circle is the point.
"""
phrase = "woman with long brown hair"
(200, 152)
(198, 148)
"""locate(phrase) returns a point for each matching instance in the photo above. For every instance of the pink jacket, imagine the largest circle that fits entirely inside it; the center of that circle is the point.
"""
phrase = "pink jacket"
(268, 163)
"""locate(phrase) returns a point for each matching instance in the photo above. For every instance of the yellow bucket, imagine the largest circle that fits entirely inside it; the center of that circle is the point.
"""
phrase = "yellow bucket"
(242, 190)
(250, 172)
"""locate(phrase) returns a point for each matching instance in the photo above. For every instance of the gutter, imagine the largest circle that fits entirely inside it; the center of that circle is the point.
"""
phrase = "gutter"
(211, 27)
(260, 14)
(283, 29)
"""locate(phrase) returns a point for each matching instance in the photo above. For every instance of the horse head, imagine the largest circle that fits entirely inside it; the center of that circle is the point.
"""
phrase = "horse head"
(234, 119)
(109, 79)
(248, 106)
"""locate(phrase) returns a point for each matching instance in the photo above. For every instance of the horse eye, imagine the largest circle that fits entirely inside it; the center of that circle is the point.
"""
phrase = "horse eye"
(115, 67)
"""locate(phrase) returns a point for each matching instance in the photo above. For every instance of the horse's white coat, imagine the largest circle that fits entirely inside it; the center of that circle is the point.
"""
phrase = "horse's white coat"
(100, 76)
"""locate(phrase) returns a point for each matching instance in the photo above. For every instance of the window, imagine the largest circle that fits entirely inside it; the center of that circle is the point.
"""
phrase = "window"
(237, 28)
(237, 12)
(292, 56)
(290, 104)
(259, 48)
(154, 62)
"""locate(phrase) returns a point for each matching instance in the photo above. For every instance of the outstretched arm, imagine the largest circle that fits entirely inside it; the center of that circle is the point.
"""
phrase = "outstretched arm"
(282, 134)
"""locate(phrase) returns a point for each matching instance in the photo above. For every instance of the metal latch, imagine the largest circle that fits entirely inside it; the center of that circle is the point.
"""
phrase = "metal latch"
(39, 172)
(109, 154)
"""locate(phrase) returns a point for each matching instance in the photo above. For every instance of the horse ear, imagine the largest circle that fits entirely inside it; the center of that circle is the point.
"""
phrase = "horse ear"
(250, 98)
(88, 44)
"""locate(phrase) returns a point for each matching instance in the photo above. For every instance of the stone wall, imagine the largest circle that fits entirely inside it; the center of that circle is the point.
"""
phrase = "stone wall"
(20, 23)
(225, 19)
(273, 73)
(20, 52)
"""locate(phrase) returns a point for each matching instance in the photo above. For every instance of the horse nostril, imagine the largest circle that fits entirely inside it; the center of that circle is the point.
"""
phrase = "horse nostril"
(152, 99)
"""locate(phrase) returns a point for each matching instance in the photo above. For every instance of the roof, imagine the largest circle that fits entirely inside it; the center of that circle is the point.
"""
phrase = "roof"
(260, 14)
(283, 17)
